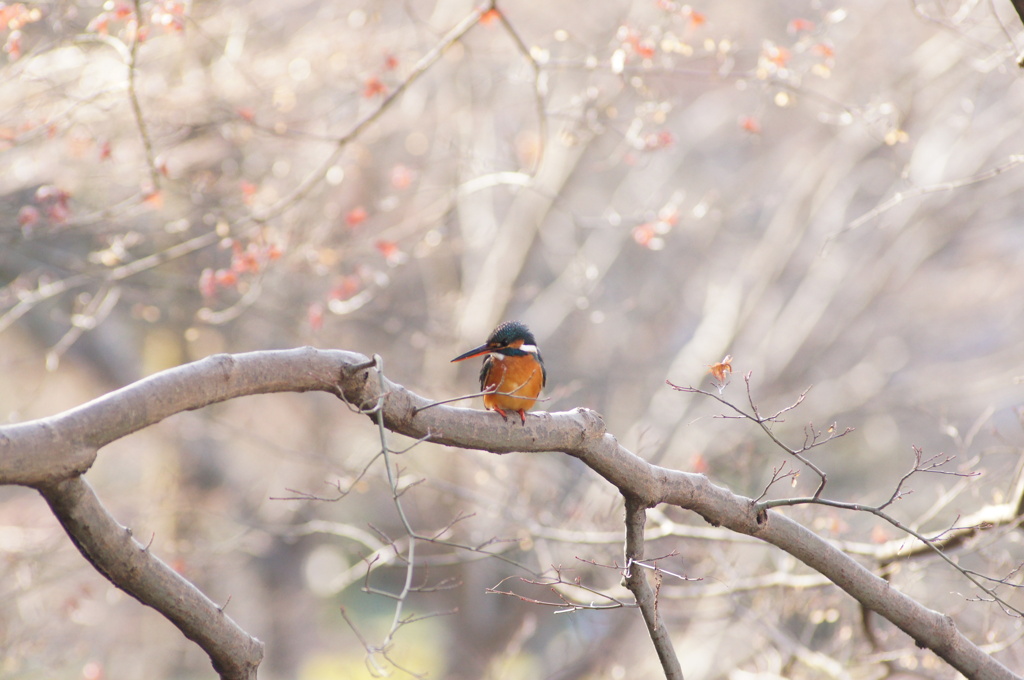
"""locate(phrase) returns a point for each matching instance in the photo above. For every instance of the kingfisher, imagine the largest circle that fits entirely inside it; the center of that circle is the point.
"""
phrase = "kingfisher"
(513, 373)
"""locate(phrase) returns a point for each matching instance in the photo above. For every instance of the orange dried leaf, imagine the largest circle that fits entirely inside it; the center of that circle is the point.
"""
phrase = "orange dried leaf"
(356, 216)
(345, 288)
(643, 233)
(99, 24)
(207, 283)
(659, 140)
(401, 176)
(225, 278)
(58, 213)
(248, 190)
(315, 316)
(389, 249)
(721, 369)
(645, 49)
(372, 87)
(800, 25)
(823, 50)
(13, 45)
(669, 216)
(154, 199)
(778, 55)
(28, 216)
(10, 14)
(245, 261)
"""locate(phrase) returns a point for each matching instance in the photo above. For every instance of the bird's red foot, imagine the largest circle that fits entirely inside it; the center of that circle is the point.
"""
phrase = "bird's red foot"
(504, 414)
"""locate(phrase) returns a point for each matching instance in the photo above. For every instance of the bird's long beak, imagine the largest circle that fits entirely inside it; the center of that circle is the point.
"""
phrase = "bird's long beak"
(475, 352)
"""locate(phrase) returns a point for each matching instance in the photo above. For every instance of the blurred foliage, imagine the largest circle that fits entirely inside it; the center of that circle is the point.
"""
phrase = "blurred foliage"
(828, 192)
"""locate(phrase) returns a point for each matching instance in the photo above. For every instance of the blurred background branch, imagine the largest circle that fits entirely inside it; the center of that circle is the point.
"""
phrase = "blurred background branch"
(650, 187)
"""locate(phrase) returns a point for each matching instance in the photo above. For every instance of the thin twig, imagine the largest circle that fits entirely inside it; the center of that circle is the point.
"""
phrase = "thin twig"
(561, 587)
(778, 474)
(342, 493)
(899, 197)
(879, 511)
(812, 438)
(542, 121)
(646, 597)
(421, 67)
(484, 393)
(396, 497)
(133, 97)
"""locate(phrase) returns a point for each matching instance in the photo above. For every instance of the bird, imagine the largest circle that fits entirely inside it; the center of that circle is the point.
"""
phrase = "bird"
(513, 373)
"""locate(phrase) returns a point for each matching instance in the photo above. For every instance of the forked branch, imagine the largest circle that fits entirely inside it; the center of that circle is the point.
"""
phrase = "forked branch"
(812, 438)
(34, 453)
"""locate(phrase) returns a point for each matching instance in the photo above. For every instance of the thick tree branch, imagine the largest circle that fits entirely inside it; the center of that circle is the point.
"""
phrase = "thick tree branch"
(56, 448)
(129, 565)
(646, 596)
(579, 433)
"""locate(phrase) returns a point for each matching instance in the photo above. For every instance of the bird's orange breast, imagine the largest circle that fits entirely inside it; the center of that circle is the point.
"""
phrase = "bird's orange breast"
(520, 378)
